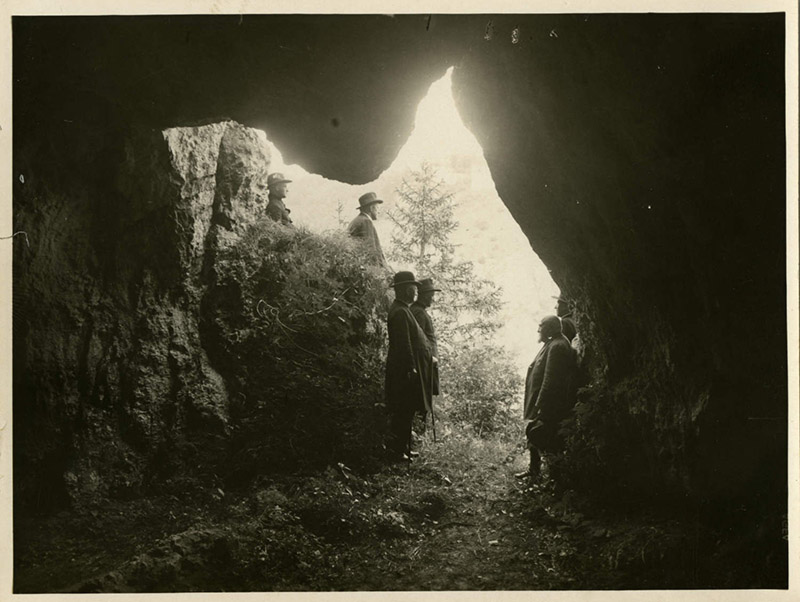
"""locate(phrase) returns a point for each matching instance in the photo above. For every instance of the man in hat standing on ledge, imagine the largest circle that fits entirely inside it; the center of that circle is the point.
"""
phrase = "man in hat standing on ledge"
(425, 294)
(405, 367)
(276, 191)
(363, 229)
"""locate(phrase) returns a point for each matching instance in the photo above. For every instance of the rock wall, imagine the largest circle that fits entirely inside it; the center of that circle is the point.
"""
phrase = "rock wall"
(643, 155)
(112, 381)
(650, 163)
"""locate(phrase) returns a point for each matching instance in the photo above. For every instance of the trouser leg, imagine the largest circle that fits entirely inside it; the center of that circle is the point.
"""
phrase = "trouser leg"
(408, 419)
(395, 444)
(421, 422)
(533, 449)
(536, 461)
(400, 431)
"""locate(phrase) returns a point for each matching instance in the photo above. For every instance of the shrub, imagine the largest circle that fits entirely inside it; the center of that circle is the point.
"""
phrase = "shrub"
(295, 323)
(609, 453)
(481, 390)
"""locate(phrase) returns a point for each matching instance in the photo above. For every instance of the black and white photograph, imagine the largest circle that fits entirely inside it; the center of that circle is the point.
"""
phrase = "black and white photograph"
(400, 298)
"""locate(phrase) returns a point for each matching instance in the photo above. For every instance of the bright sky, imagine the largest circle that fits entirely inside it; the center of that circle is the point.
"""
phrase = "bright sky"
(488, 235)
(438, 131)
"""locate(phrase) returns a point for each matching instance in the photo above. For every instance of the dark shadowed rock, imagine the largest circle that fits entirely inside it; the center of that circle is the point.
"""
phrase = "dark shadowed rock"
(123, 380)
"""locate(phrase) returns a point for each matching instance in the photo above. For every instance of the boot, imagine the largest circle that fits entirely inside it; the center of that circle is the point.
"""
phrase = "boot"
(534, 468)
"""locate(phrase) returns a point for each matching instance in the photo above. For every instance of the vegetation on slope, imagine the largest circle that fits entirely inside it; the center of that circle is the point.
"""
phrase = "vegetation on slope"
(294, 321)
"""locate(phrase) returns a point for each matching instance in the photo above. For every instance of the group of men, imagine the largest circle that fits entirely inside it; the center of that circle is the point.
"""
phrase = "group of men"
(361, 228)
(412, 370)
(412, 362)
(550, 387)
(412, 373)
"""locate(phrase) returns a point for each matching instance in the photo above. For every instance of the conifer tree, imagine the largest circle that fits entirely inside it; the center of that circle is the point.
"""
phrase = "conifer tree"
(479, 386)
(467, 308)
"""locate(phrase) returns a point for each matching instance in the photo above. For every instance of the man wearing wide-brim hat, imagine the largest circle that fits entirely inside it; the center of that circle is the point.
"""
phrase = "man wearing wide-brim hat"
(407, 361)
(425, 295)
(277, 190)
(362, 228)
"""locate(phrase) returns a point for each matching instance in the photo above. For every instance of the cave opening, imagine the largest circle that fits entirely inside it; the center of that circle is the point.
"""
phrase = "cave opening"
(652, 163)
(486, 234)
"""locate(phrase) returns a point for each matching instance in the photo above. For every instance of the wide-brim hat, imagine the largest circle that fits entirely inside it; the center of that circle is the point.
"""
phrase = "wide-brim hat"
(404, 278)
(276, 178)
(370, 198)
(426, 285)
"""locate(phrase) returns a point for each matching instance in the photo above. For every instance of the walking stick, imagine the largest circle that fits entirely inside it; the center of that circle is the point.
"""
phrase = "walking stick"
(433, 411)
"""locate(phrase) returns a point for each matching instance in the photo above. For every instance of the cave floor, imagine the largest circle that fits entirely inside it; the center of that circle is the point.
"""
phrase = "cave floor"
(456, 519)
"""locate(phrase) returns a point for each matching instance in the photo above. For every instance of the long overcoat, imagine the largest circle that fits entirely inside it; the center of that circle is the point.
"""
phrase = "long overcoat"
(425, 322)
(408, 352)
(364, 230)
(549, 384)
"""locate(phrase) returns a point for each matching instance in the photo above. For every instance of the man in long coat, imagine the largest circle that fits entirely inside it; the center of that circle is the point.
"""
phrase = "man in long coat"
(363, 229)
(425, 295)
(407, 361)
(548, 393)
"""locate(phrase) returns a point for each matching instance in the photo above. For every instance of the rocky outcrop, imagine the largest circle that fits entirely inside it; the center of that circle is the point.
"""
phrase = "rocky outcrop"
(112, 379)
(168, 330)
(641, 169)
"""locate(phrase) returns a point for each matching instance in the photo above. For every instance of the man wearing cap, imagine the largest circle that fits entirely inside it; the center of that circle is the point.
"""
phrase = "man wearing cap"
(425, 294)
(548, 388)
(363, 229)
(406, 360)
(276, 191)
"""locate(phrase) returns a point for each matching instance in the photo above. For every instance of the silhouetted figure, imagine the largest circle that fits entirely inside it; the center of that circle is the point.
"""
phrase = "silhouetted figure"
(406, 363)
(564, 311)
(548, 393)
(425, 295)
(277, 190)
(364, 230)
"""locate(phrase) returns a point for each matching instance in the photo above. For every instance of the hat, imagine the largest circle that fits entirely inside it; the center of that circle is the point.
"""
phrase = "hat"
(426, 284)
(276, 178)
(404, 278)
(365, 200)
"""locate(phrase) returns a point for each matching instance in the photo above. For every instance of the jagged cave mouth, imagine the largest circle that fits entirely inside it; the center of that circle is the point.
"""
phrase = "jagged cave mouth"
(487, 234)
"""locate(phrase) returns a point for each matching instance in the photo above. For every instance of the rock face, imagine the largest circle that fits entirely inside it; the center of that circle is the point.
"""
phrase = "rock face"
(111, 375)
(632, 167)
(643, 155)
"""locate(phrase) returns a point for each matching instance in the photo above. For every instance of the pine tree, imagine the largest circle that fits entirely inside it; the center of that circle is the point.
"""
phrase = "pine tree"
(424, 215)
(479, 387)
